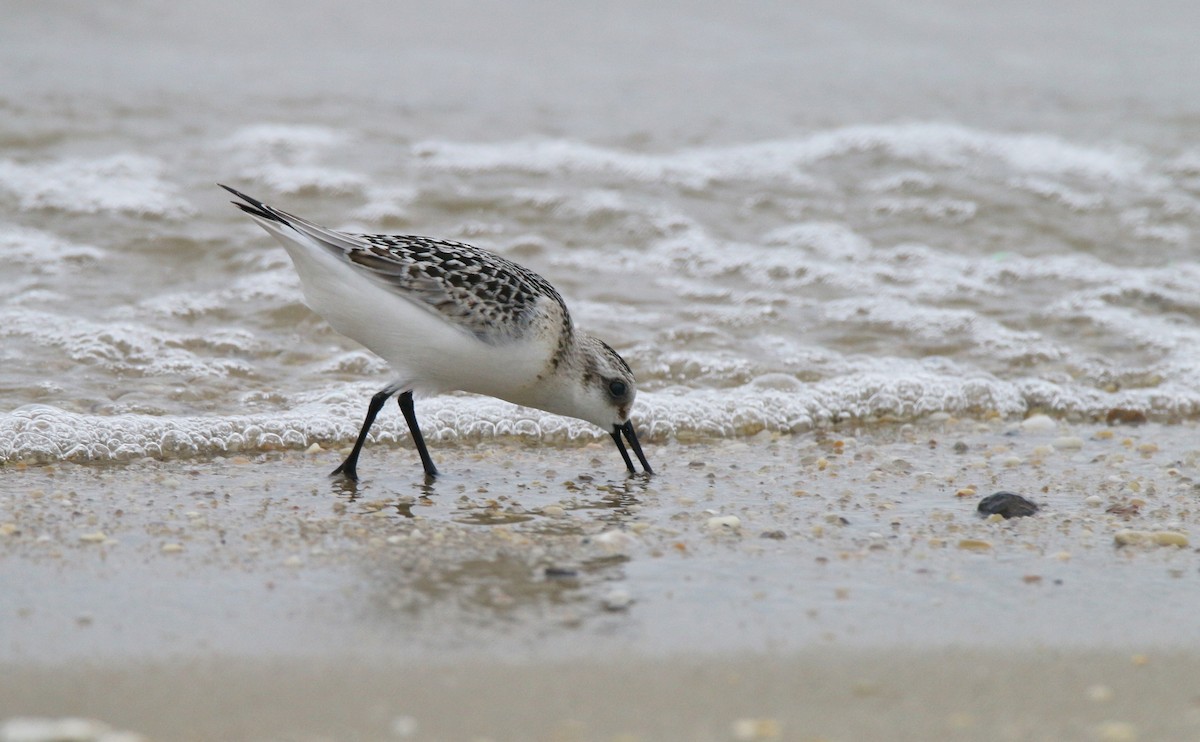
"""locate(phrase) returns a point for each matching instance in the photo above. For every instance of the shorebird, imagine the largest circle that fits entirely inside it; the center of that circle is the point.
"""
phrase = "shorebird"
(448, 316)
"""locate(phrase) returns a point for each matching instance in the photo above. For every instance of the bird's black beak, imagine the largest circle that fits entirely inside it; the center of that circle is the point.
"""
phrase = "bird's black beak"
(631, 436)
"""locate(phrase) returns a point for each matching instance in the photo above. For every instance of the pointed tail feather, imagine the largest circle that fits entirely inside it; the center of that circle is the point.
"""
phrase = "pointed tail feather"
(254, 207)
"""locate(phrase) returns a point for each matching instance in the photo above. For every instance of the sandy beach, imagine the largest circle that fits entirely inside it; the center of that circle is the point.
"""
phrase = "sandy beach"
(869, 262)
(834, 585)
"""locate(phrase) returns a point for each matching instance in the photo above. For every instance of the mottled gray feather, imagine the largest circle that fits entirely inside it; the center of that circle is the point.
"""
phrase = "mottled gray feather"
(488, 295)
(484, 294)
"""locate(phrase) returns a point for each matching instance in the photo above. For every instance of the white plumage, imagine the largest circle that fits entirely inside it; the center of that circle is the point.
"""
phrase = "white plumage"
(451, 317)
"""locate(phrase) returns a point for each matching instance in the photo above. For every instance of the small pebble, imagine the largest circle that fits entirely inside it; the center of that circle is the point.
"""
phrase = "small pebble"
(1130, 537)
(1125, 510)
(755, 730)
(96, 537)
(1093, 500)
(724, 523)
(32, 729)
(1068, 443)
(1169, 538)
(171, 548)
(616, 541)
(1121, 416)
(1039, 424)
(1116, 731)
(1007, 505)
(617, 599)
(974, 544)
(777, 535)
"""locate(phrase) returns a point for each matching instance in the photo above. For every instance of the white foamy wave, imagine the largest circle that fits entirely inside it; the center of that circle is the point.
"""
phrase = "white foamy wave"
(35, 260)
(1069, 197)
(291, 139)
(930, 327)
(826, 281)
(1144, 224)
(277, 285)
(386, 202)
(40, 252)
(287, 158)
(130, 347)
(930, 144)
(777, 402)
(293, 179)
(125, 183)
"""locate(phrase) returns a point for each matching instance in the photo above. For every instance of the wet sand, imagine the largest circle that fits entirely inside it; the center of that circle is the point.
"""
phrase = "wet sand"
(820, 694)
(832, 585)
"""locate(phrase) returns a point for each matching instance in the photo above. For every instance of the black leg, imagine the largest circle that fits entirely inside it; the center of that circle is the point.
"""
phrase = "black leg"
(349, 467)
(410, 417)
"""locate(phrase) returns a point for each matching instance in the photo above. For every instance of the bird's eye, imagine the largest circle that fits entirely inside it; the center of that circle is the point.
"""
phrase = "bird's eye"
(617, 388)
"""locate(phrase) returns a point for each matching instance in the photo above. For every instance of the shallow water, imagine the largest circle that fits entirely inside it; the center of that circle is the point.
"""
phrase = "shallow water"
(781, 219)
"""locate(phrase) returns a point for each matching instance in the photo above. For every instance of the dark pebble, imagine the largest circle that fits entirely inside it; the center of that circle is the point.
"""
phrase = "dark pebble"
(777, 535)
(1008, 505)
(561, 573)
(961, 447)
(1118, 416)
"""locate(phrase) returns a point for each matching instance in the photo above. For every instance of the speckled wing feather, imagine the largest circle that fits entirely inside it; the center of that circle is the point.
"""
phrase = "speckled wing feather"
(490, 296)
(487, 295)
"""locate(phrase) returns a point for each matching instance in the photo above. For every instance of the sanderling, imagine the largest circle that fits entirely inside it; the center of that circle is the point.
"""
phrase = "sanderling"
(452, 317)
